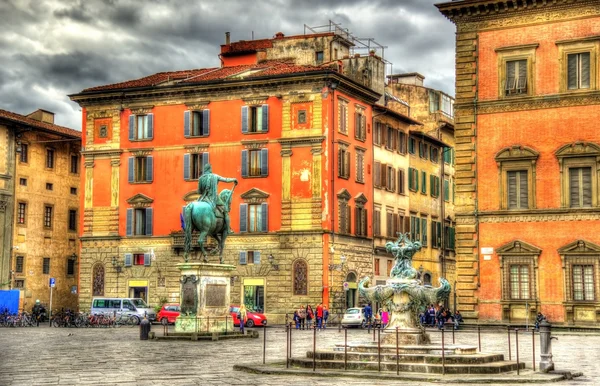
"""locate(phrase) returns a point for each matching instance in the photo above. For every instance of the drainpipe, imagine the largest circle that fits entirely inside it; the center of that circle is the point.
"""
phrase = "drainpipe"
(476, 169)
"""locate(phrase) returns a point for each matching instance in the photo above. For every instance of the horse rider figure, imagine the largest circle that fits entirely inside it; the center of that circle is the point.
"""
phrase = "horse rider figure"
(207, 188)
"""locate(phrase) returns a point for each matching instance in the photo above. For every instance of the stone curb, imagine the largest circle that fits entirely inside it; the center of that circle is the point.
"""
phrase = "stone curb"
(279, 369)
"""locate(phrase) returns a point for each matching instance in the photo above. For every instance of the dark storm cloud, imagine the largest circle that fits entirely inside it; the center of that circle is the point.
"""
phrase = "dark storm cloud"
(52, 48)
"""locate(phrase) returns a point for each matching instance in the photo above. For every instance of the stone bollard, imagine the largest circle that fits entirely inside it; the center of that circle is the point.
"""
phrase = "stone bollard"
(145, 327)
(546, 364)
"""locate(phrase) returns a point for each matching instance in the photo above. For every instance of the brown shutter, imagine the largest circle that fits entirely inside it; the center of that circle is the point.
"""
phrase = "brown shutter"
(585, 70)
(586, 186)
(396, 226)
(349, 219)
(523, 190)
(377, 174)
(512, 189)
(347, 165)
(572, 72)
(511, 76)
(363, 127)
(406, 227)
(522, 83)
(383, 175)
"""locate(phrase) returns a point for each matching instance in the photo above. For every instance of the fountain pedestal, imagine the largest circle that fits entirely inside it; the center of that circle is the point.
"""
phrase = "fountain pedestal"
(406, 336)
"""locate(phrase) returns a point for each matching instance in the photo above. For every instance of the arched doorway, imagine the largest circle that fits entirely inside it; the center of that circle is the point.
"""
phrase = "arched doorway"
(351, 290)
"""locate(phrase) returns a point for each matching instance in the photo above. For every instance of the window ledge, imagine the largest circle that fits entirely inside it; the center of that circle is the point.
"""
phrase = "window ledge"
(251, 177)
(140, 182)
(141, 140)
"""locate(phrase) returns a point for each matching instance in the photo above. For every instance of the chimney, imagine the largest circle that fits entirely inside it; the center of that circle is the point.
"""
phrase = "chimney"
(227, 38)
(279, 35)
(42, 116)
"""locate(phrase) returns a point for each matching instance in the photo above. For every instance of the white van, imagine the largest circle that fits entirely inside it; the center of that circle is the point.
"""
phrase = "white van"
(118, 306)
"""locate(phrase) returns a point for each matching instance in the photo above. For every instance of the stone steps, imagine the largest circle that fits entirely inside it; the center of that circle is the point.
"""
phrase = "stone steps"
(386, 356)
(427, 368)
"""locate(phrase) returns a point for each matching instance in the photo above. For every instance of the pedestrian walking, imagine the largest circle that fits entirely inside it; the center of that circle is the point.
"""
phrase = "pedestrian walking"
(302, 315)
(368, 313)
(310, 316)
(296, 320)
(325, 316)
(242, 317)
(384, 318)
(320, 316)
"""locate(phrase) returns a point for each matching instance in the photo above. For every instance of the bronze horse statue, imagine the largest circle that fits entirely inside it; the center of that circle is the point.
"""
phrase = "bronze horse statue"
(200, 216)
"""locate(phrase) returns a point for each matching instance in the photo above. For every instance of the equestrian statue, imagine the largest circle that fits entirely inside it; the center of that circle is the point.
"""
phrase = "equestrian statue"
(209, 215)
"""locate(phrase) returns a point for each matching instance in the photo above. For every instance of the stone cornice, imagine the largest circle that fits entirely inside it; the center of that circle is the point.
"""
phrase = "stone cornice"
(254, 144)
(535, 215)
(301, 141)
(533, 103)
(476, 15)
(197, 148)
(519, 47)
(141, 152)
(102, 153)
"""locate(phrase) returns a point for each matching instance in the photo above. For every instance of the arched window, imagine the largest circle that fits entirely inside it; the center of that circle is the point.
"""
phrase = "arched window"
(426, 279)
(98, 280)
(300, 278)
(351, 277)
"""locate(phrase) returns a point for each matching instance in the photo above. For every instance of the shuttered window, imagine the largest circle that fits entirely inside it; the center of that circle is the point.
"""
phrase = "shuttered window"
(413, 179)
(360, 166)
(518, 194)
(344, 217)
(401, 142)
(519, 281)
(424, 182)
(255, 163)
(401, 182)
(255, 119)
(411, 145)
(254, 218)
(360, 125)
(139, 222)
(580, 187)
(343, 163)
(377, 134)
(377, 223)
(193, 165)
(196, 123)
(141, 127)
(140, 169)
(516, 77)
(360, 226)
(389, 224)
(578, 71)
(377, 174)
(424, 232)
(343, 117)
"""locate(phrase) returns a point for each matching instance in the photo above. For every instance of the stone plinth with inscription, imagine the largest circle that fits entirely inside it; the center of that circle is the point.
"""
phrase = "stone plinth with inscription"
(205, 298)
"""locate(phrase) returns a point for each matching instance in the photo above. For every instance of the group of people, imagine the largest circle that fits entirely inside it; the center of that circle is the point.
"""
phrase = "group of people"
(380, 318)
(304, 317)
(438, 316)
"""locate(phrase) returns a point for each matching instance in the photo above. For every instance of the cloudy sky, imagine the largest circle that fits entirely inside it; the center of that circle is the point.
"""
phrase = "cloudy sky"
(51, 48)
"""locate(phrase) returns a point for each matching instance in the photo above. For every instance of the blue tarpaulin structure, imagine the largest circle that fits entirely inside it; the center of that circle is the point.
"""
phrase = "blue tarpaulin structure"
(9, 300)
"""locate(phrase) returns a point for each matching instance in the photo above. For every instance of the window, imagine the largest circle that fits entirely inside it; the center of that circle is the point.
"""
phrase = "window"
(140, 169)
(449, 237)
(390, 265)
(138, 259)
(342, 116)
(390, 178)
(424, 232)
(141, 127)
(390, 139)
(415, 228)
(103, 132)
(344, 214)
(516, 77)
(361, 225)
(517, 169)
(343, 162)
(196, 123)
(411, 145)
(446, 190)
(360, 124)
(249, 257)
(436, 234)
(401, 183)
(376, 265)
(377, 134)
(377, 174)
(193, 165)
(578, 72)
(48, 216)
(583, 282)
(70, 267)
(20, 283)
(254, 217)
(255, 163)
(580, 187)
(413, 179)
(301, 116)
(255, 119)
(519, 281)
(377, 222)
(50, 158)
(24, 155)
(22, 213)
(73, 190)
(434, 101)
(23, 181)
(517, 189)
(46, 266)
(360, 165)
(98, 280)
(319, 57)
(447, 155)
(401, 142)
(72, 219)
(435, 153)
(49, 186)
(434, 185)
(300, 272)
(422, 150)
(139, 222)
(19, 264)
(389, 224)
(74, 164)
(423, 182)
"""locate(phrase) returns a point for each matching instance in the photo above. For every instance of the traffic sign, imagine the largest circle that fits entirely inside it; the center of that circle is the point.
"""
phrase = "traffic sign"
(346, 285)
(52, 282)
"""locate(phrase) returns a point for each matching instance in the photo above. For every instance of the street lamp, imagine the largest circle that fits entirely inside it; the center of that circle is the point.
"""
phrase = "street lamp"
(118, 265)
(272, 262)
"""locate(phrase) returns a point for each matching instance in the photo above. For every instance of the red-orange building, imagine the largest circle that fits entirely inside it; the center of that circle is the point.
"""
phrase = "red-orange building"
(527, 159)
(295, 134)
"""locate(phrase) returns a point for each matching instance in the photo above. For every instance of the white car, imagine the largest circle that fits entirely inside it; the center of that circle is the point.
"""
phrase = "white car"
(354, 317)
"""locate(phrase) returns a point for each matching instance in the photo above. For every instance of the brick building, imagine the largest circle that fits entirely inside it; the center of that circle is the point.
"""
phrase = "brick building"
(45, 208)
(294, 132)
(527, 171)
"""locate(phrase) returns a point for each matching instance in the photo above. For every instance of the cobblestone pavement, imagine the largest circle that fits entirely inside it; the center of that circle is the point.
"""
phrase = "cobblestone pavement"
(61, 356)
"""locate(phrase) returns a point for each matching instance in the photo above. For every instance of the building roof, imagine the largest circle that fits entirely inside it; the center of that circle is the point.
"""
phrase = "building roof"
(266, 68)
(397, 115)
(49, 127)
(428, 138)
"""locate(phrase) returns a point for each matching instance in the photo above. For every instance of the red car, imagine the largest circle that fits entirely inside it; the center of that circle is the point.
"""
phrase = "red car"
(254, 318)
(168, 313)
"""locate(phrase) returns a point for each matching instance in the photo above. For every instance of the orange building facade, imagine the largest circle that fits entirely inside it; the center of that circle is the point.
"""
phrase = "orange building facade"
(527, 159)
(297, 137)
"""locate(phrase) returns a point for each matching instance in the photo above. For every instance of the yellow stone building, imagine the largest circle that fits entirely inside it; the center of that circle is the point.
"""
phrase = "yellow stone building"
(45, 212)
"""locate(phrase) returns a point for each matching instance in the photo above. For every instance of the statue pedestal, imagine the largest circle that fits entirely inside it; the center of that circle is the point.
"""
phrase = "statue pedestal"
(205, 298)
(405, 337)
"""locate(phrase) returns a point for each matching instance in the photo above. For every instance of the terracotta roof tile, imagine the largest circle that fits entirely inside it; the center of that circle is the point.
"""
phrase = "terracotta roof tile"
(18, 118)
(151, 80)
(246, 46)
